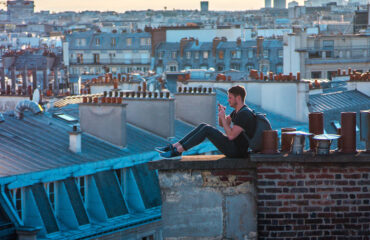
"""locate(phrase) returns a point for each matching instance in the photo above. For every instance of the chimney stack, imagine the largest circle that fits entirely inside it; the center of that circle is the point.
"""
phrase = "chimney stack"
(75, 140)
(205, 112)
(152, 112)
(106, 121)
(259, 46)
(215, 43)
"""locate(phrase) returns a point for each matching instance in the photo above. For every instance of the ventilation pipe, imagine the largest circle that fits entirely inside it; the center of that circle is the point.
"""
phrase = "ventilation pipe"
(26, 105)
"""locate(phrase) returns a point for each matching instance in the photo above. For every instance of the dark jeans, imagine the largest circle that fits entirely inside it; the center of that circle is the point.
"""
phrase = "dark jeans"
(203, 131)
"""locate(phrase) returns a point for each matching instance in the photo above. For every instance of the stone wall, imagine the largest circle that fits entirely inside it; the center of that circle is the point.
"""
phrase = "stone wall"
(288, 197)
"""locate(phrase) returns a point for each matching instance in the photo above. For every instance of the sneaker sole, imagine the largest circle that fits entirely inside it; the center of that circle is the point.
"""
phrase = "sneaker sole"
(173, 158)
(159, 151)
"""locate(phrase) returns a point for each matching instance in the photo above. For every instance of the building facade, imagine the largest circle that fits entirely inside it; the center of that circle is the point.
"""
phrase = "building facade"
(220, 54)
(20, 10)
(279, 3)
(96, 53)
(322, 55)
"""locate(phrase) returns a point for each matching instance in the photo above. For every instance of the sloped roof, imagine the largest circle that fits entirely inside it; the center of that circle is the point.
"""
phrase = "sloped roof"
(338, 100)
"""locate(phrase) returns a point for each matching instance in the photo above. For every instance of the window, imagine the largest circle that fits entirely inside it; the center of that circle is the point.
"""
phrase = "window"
(145, 41)
(150, 237)
(81, 184)
(188, 55)
(314, 54)
(280, 53)
(113, 42)
(96, 58)
(50, 192)
(16, 195)
(221, 54)
(265, 53)
(205, 55)
(173, 68)
(112, 55)
(80, 58)
(97, 41)
(328, 44)
(128, 41)
(250, 53)
(235, 54)
(249, 67)
(160, 55)
(220, 68)
(174, 55)
(80, 42)
(316, 74)
(196, 55)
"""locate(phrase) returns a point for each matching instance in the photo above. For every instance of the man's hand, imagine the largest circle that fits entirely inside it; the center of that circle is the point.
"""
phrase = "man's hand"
(221, 113)
(220, 107)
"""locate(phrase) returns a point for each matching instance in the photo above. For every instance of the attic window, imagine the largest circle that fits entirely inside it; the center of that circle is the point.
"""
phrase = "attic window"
(65, 117)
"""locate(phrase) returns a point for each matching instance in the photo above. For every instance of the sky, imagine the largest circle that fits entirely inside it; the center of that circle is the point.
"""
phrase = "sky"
(125, 5)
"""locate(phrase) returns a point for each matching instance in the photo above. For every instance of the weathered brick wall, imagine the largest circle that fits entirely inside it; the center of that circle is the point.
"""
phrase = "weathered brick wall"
(313, 201)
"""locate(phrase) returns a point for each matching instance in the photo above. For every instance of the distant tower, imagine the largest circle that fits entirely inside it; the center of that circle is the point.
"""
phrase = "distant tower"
(204, 6)
(279, 3)
(20, 10)
(267, 3)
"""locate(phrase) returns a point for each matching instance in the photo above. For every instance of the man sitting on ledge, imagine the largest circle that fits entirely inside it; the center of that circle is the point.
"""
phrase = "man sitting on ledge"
(233, 143)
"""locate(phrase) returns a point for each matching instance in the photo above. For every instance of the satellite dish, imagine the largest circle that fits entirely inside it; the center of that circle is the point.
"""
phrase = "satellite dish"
(36, 96)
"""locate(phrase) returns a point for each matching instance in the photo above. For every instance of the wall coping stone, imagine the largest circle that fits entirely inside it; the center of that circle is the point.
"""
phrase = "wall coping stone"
(208, 162)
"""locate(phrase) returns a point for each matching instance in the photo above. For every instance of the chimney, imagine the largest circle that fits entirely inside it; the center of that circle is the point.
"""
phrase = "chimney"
(75, 140)
(238, 42)
(365, 128)
(205, 101)
(215, 43)
(106, 121)
(183, 43)
(152, 111)
(259, 45)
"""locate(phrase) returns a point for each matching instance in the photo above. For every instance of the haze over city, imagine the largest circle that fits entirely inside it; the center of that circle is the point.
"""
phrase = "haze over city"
(121, 6)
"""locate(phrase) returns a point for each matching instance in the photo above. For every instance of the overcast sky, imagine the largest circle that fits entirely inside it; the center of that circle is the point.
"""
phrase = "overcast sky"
(124, 5)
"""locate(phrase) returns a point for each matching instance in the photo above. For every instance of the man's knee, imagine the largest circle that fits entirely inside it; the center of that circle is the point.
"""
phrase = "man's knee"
(203, 124)
(208, 128)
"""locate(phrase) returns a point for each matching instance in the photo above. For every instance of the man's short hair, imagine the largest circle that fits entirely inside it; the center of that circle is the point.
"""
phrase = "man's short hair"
(238, 90)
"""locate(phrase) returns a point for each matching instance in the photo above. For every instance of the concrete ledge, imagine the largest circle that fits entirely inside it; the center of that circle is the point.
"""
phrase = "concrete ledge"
(202, 162)
(209, 162)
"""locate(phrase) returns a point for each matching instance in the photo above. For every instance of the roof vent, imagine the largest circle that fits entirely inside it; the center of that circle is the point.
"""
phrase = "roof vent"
(323, 143)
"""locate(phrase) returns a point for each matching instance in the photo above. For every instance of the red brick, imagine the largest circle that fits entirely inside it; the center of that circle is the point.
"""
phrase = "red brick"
(341, 182)
(339, 196)
(299, 202)
(325, 189)
(340, 220)
(285, 170)
(314, 183)
(364, 208)
(363, 169)
(340, 209)
(326, 215)
(312, 209)
(351, 189)
(363, 195)
(312, 196)
(287, 184)
(338, 170)
(286, 196)
(266, 170)
(275, 176)
(288, 209)
(352, 176)
(301, 227)
(297, 176)
(325, 176)
(312, 170)
(323, 202)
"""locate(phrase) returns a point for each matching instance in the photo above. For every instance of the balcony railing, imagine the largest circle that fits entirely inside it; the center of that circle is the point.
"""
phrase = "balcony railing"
(111, 61)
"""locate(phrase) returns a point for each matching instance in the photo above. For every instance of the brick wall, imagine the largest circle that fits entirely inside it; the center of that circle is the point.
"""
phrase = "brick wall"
(313, 201)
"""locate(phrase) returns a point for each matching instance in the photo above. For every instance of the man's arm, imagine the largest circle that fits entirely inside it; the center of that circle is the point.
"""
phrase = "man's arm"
(228, 118)
(231, 132)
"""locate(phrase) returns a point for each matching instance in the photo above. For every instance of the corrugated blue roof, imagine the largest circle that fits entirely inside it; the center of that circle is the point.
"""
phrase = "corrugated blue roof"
(338, 100)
